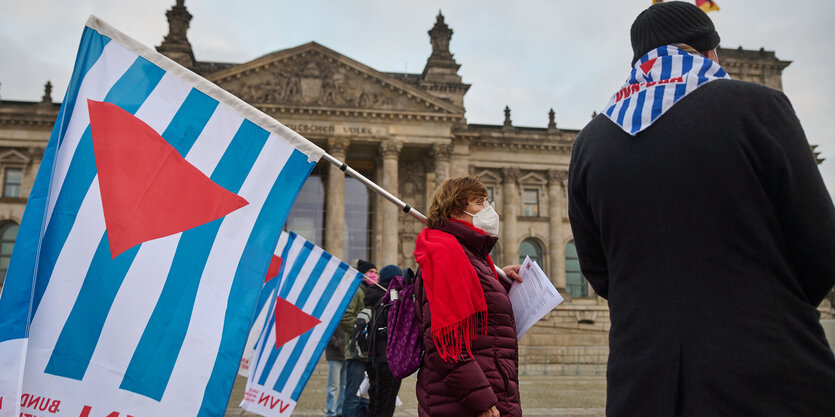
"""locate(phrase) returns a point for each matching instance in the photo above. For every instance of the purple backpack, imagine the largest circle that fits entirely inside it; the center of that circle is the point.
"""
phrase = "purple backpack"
(404, 348)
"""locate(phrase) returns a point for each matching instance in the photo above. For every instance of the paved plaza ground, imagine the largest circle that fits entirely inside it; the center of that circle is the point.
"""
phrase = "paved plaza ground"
(563, 396)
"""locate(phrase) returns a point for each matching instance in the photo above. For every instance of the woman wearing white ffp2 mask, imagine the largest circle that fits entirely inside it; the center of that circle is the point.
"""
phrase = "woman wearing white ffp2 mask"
(464, 313)
(486, 219)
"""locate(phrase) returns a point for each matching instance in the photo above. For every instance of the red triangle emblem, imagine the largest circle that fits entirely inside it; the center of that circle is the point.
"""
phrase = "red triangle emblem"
(274, 269)
(291, 322)
(148, 190)
(647, 66)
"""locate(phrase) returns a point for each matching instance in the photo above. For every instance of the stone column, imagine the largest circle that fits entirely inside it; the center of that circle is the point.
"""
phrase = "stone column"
(30, 170)
(335, 200)
(390, 150)
(556, 206)
(441, 153)
(379, 203)
(428, 180)
(460, 158)
(510, 244)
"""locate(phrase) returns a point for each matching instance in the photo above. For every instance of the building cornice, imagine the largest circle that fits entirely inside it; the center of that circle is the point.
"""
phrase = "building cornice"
(277, 109)
(516, 139)
(776, 66)
(31, 121)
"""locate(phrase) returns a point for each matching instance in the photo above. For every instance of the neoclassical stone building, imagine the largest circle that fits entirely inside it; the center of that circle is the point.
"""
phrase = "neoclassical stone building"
(408, 133)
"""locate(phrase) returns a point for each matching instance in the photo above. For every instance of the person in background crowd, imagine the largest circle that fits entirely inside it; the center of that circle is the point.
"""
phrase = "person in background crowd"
(699, 212)
(470, 365)
(335, 355)
(383, 390)
(354, 405)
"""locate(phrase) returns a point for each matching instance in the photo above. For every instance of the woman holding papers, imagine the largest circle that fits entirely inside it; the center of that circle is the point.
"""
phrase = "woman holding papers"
(470, 365)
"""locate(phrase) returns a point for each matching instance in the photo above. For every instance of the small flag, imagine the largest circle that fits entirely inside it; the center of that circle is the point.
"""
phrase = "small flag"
(258, 323)
(145, 241)
(707, 5)
(312, 293)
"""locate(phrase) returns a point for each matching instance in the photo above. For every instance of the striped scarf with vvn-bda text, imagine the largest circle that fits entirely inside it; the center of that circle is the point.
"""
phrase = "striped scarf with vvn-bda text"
(657, 81)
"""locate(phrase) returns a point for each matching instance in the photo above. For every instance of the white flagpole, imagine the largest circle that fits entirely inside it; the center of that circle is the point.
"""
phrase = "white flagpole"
(389, 196)
(376, 188)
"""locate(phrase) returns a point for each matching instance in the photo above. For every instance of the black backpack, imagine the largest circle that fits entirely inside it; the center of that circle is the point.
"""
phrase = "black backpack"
(358, 344)
(376, 331)
(369, 334)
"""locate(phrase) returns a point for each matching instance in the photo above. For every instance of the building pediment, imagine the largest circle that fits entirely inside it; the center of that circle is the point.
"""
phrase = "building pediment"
(313, 76)
(488, 176)
(533, 178)
(13, 157)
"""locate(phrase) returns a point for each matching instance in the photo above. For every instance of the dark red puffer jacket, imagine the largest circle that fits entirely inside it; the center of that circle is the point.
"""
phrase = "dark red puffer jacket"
(472, 384)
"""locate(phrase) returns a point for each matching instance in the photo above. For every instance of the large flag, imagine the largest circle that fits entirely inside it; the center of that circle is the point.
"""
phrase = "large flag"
(145, 241)
(312, 291)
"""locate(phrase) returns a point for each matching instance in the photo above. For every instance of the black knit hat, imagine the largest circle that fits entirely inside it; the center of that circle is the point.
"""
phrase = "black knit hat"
(672, 22)
(388, 272)
(364, 266)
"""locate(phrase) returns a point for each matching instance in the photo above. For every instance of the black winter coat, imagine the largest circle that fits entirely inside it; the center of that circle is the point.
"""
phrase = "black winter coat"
(472, 384)
(712, 235)
(378, 323)
(335, 350)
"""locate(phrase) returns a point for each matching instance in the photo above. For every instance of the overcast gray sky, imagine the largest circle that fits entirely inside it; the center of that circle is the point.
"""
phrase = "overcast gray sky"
(529, 54)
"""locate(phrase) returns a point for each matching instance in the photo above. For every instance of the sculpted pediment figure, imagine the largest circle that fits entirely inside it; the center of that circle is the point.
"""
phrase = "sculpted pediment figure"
(312, 75)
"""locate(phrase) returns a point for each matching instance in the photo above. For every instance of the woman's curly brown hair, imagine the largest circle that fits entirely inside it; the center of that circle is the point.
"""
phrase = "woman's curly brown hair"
(452, 197)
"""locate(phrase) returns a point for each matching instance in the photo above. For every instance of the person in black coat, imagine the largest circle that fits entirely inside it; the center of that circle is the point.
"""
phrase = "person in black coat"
(705, 222)
(383, 386)
(335, 392)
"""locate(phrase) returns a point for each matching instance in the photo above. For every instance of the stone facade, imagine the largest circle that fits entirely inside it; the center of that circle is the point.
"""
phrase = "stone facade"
(755, 66)
(408, 133)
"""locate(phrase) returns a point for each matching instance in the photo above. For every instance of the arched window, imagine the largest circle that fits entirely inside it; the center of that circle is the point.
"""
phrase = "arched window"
(8, 234)
(575, 282)
(530, 247)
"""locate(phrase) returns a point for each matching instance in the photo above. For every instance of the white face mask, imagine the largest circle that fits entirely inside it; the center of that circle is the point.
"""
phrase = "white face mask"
(487, 219)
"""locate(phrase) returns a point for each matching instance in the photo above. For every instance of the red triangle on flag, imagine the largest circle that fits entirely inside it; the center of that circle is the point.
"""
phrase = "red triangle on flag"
(274, 269)
(290, 322)
(647, 66)
(148, 190)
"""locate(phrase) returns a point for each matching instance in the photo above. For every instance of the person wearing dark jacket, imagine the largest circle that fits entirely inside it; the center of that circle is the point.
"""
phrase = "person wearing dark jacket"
(698, 211)
(383, 388)
(335, 355)
(354, 405)
(470, 364)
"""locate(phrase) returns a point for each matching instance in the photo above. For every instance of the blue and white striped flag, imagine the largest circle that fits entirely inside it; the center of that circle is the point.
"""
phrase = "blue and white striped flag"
(117, 299)
(313, 287)
(658, 80)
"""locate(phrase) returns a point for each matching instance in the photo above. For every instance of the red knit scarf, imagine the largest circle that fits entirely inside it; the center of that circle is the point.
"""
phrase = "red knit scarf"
(456, 299)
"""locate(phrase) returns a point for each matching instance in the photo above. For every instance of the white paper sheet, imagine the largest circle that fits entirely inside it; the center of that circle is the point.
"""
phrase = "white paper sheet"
(533, 298)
